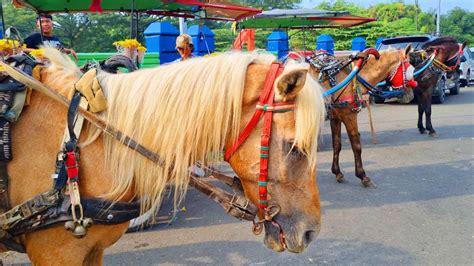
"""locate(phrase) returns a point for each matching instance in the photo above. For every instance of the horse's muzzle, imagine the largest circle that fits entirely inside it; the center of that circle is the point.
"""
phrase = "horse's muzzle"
(297, 237)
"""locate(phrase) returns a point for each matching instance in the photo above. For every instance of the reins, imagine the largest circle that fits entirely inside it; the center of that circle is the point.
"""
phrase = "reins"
(444, 66)
(92, 118)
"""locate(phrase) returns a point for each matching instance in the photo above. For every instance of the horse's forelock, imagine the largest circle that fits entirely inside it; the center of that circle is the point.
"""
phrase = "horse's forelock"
(310, 113)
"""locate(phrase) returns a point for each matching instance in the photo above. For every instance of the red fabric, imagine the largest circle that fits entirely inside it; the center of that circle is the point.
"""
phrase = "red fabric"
(95, 6)
(412, 83)
(399, 78)
(347, 98)
(71, 165)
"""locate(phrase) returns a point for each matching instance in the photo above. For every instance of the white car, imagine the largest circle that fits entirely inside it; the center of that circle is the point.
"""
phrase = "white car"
(467, 67)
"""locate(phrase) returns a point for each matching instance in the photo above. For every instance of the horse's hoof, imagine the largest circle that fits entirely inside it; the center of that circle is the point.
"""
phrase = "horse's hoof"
(422, 131)
(366, 182)
(433, 134)
(340, 178)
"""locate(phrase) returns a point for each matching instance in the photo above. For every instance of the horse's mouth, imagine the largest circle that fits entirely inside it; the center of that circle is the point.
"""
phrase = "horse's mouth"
(274, 237)
(278, 240)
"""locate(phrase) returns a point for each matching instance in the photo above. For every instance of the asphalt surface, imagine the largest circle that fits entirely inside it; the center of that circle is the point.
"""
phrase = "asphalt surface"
(421, 211)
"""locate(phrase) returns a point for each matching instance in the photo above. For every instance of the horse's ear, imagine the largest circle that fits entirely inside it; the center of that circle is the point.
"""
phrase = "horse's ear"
(290, 83)
(408, 49)
(464, 44)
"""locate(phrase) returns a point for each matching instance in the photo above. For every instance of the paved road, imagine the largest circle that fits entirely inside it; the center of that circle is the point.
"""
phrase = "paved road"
(420, 213)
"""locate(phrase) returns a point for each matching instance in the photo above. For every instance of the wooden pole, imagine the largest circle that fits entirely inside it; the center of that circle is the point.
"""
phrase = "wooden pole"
(372, 129)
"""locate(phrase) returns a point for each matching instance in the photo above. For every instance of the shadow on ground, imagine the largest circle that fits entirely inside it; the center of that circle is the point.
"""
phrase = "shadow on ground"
(328, 251)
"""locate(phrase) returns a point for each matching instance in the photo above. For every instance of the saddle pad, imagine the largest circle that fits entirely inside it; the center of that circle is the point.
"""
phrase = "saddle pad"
(90, 88)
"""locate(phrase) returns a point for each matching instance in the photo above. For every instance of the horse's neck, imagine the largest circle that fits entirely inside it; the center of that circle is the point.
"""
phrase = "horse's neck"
(378, 70)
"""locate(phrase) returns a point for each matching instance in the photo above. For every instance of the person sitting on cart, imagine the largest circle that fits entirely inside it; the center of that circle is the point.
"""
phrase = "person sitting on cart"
(185, 47)
(44, 22)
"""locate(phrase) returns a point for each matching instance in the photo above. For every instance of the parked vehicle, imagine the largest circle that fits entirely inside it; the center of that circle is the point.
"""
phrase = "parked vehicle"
(467, 67)
(449, 82)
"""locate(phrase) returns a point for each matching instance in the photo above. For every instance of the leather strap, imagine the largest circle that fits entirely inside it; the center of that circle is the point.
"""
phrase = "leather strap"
(267, 106)
(235, 204)
(4, 182)
(267, 90)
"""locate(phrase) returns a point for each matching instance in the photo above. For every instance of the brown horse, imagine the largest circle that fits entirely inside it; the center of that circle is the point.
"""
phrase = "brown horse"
(448, 54)
(183, 112)
(346, 103)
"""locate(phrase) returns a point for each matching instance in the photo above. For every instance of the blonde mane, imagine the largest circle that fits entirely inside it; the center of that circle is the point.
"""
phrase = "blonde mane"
(184, 112)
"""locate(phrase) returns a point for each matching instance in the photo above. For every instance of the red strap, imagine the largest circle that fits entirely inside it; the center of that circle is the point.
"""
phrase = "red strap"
(275, 70)
(71, 166)
(264, 155)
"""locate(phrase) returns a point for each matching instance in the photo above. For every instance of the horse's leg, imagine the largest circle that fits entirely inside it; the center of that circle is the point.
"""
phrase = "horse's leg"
(350, 121)
(429, 126)
(94, 257)
(420, 102)
(336, 145)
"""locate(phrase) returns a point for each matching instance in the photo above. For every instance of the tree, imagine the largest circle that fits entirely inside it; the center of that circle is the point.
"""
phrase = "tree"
(459, 24)
(266, 5)
(23, 19)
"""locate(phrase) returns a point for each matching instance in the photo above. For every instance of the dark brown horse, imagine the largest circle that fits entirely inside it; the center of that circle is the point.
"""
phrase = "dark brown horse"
(448, 54)
(346, 103)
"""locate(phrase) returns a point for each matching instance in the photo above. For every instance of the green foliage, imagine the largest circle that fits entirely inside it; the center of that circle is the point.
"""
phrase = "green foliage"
(459, 24)
(342, 5)
(23, 19)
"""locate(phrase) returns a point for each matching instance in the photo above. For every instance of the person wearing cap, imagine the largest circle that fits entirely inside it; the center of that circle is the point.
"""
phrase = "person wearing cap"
(44, 22)
(184, 46)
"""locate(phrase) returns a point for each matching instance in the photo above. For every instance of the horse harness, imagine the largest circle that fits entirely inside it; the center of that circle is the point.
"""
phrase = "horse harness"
(328, 67)
(399, 78)
(451, 63)
(436, 67)
(63, 204)
(59, 205)
(266, 107)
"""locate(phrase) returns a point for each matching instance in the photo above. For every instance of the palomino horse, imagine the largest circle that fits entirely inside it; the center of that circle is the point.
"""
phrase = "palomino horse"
(447, 58)
(346, 103)
(184, 112)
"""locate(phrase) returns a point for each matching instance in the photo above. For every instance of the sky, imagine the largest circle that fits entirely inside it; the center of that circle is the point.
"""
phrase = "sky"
(425, 5)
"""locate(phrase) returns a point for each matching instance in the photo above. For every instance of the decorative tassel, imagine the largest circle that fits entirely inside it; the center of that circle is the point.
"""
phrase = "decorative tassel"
(95, 6)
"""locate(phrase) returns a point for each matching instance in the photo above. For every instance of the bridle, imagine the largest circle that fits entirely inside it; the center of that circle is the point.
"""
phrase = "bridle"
(451, 63)
(266, 107)
(402, 74)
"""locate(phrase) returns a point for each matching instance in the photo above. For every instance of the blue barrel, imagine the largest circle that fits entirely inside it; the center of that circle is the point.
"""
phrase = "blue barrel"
(161, 37)
(325, 42)
(277, 43)
(358, 44)
(203, 39)
(378, 42)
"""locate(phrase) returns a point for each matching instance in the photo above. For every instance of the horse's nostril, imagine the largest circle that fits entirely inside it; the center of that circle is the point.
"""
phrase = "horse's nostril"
(308, 237)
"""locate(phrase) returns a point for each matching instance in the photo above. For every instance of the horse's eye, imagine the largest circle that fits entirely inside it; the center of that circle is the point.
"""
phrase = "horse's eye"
(292, 149)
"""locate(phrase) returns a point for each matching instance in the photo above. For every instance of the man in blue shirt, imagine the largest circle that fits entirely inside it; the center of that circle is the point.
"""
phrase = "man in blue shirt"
(34, 40)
